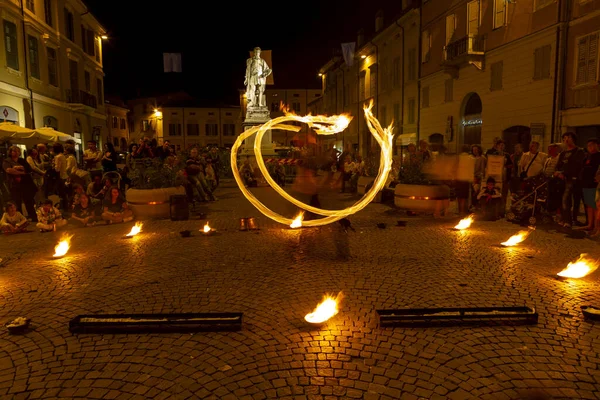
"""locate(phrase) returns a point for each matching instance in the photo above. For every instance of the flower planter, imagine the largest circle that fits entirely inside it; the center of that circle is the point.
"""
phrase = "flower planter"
(152, 203)
(426, 199)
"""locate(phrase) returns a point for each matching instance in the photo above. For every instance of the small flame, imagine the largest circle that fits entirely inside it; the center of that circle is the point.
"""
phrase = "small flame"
(516, 239)
(206, 228)
(137, 228)
(63, 246)
(297, 222)
(580, 268)
(464, 223)
(325, 310)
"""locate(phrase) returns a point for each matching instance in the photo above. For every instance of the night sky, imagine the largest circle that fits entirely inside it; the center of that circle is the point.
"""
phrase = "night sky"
(215, 37)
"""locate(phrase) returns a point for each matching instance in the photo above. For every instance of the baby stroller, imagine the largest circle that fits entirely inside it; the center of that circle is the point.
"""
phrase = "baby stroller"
(531, 208)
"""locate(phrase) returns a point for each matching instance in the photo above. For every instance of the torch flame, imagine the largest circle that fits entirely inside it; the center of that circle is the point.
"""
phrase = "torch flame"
(464, 223)
(516, 239)
(137, 228)
(325, 310)
(580, 268)
(206, 228)
(297, 222)
(63, 246)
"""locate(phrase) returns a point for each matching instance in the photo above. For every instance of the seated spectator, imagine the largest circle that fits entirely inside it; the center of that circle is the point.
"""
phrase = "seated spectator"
(83, 212)
(490, 200)
(247, 173)
(115, 208)
(279, 173)
(49, 217)
(77, 192)
(211, 177)
(13, 221)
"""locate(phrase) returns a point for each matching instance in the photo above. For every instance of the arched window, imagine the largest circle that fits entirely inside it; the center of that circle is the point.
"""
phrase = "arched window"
(51, 122)
(9, 114)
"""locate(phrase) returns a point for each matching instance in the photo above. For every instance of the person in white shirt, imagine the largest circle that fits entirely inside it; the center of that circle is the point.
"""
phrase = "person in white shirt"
(13, 221)
(532, 163)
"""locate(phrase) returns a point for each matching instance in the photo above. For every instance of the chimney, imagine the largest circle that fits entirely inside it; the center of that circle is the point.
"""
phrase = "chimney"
(379, 21)
(360, 40)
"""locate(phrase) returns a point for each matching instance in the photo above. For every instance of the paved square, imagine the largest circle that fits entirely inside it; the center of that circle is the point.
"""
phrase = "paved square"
(275, 276)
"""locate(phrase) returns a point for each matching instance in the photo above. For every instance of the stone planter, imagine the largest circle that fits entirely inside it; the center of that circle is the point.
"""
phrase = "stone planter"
(426, 199)
(364, 184)
(152, 203)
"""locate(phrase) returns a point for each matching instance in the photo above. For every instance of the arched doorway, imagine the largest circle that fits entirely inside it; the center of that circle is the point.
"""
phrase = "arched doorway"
(436, 140)
(9, 114)
(470, 123)
(518, 134)
(51, 122)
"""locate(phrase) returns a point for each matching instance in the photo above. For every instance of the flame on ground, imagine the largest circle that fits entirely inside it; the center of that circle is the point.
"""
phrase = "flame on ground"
(137, 228)
(325, 310)
(580, 268)
(206, 228)
(516, 239)
(63, 246)
(464, 223)
(297, 222)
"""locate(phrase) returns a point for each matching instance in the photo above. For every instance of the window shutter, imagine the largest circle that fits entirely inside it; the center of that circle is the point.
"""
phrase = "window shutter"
(537, 63)
(499, 15)
(592, 59)
(581, 60)
(546, 56)
(473, 14)
(450, 26)
(425, 100)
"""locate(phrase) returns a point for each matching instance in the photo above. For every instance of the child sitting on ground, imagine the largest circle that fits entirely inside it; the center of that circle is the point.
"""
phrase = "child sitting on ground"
(13, 221)
(49, 217)
(490, 200)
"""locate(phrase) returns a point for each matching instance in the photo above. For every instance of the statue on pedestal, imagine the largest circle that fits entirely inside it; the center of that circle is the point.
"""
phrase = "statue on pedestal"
(257, 71)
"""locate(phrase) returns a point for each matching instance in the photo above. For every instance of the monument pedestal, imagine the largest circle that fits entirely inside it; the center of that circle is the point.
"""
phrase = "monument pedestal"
(256, 116)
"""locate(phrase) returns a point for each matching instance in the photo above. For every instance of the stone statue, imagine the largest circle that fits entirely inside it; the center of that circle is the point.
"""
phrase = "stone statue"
(257, 71)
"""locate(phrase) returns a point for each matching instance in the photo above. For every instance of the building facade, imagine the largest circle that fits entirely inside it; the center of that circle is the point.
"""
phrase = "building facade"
(581, 111)
(51, 70)
(384, 70)
(117, 125)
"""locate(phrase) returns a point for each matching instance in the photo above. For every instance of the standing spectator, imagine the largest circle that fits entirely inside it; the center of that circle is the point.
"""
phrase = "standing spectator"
(591, 163)
(20, 183)
(568, 168)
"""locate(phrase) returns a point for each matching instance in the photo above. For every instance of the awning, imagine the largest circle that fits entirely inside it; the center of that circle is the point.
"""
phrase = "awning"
(19, 134)
(406, 138)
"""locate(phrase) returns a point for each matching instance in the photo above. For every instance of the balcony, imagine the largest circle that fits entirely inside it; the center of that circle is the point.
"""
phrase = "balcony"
(81, 97)
(467, 50)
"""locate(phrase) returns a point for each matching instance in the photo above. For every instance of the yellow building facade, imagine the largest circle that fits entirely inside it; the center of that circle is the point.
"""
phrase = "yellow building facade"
(117, 125)
(51, 70)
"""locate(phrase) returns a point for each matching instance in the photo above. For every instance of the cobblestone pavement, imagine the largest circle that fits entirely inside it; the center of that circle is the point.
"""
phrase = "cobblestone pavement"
(275, 276)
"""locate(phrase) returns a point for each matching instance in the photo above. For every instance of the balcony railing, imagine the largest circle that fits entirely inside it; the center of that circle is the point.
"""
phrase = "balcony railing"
(468, 45)
(81, 97)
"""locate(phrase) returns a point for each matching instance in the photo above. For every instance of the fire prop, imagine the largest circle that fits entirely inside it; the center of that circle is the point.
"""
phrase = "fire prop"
(325, 310)
(516, 239)
(464, 223)
(580, 268)
(206, 228)
(297, 222)
(137, 228)
(63, 246)
(322, 125)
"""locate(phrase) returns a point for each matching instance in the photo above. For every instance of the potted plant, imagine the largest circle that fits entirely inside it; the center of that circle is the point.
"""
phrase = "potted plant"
(153, 184)
(416, 192)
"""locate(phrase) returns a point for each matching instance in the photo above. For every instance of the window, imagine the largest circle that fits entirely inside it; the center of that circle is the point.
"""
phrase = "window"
(50, 121)
(296, 107)
(212, 129)
(228, 129)
(383, 119)
(541, 68)
(345, 89)
(115, 122)
(473, 17)
(69, 26)
(88, 81)
(52, 66)
(496, 79)
(30, 4)
(362, 85)
(145, 125)
(193, 129)
(211, 113)
(499, 13)
(74, 77)
(91, 41)
(11, 45)
(412, 60)
(34, 57)
(122, 124)
(100, 91)
(450, 27)
(411, 110)
(97, 49)
(397, 119)
(372, 80)
(175, 129)
(396, 78)
(449, 90)
(228, 114)
(425, 97)
(274, 106)
(425, 47)
(539, 4)
(587, 59)
(48, 12)
(84, 39)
